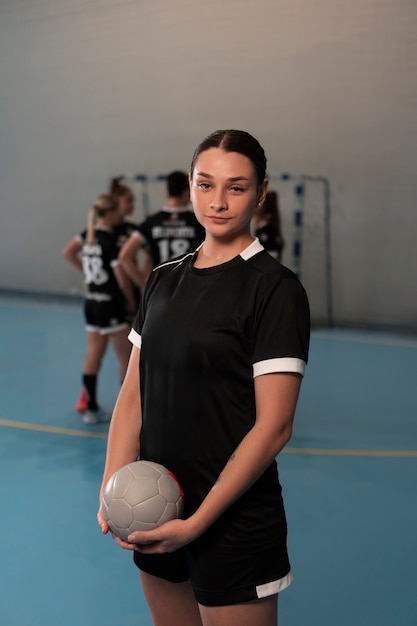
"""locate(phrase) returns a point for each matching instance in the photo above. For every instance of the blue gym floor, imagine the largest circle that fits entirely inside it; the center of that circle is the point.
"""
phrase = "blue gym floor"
(349, 478)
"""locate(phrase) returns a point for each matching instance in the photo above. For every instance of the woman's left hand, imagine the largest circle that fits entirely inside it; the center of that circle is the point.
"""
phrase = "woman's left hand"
(167, 538)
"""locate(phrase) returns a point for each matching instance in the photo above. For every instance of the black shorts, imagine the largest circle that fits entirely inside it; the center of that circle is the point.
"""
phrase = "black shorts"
(105, 317)
(224, 573)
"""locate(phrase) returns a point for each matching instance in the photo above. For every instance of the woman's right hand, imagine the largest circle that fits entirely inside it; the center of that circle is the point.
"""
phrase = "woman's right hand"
(105, 529)
(102, 522)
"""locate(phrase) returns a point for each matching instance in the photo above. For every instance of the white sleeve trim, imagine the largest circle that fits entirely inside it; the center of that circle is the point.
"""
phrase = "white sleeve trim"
(138, 235)
(135, 338)
(291, 365)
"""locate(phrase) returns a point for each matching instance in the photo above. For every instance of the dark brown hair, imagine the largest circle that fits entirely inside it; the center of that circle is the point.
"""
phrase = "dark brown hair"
(177, 183)
(118, 188)
(235, 141)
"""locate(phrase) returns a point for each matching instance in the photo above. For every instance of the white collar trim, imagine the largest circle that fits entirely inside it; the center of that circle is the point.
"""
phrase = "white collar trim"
(252, 249)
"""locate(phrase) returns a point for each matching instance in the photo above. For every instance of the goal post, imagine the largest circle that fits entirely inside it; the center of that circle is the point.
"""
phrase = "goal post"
(304, 202)
(305, 215)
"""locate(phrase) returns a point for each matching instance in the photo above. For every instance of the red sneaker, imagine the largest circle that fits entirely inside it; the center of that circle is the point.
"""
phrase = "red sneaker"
(82, 403)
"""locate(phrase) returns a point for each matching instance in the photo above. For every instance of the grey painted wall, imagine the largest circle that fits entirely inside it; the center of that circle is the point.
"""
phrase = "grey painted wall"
(93, 88)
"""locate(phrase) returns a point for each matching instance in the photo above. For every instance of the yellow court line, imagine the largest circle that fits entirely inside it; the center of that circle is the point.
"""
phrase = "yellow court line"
(328, 452)
(53, 429)
(312, 451)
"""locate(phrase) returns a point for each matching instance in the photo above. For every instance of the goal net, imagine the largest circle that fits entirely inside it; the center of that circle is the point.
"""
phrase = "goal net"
(304, 203)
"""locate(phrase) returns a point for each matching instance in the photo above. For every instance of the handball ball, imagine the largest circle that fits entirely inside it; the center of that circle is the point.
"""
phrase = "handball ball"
(141, 496)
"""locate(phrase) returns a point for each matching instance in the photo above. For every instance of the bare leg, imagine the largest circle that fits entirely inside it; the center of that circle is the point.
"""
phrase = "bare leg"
(171, 604)
(96, 349)
(122, 348)
(262, 612)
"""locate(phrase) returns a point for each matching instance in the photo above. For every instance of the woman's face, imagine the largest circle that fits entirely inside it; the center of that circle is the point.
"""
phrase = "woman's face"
(115, 217)
(127, 203)
(225, 192)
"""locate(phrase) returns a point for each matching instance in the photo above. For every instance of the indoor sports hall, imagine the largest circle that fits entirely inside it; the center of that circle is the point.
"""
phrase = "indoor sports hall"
(348, 476)
(94, 91)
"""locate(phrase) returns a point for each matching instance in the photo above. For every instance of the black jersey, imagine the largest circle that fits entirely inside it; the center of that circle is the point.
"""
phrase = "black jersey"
(98, 261)
(123, 231)
(204, 335)
(270, 241)
(170, 233)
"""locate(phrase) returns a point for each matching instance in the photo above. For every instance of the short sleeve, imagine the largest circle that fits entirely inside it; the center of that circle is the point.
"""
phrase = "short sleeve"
(281, 330)
(135, 338)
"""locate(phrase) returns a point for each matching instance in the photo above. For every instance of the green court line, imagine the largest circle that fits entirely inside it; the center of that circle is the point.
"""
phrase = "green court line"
(312, 451)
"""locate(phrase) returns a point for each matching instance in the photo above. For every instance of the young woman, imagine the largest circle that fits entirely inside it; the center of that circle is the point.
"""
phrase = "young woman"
(108, 299)
(219, 350)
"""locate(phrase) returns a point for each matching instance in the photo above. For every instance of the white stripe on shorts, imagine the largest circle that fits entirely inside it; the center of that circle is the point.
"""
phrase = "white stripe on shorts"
(269, 589)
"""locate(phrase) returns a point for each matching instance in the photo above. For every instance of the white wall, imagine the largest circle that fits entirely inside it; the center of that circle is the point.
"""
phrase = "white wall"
(94, 88)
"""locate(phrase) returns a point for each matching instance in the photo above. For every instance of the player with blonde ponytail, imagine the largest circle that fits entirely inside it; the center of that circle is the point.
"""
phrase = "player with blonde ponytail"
(108, 298)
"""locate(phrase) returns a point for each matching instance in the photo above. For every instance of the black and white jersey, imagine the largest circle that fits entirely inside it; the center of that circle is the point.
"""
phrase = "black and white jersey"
(98, 261)
(170, 233)
(204, 335)
(123, 231)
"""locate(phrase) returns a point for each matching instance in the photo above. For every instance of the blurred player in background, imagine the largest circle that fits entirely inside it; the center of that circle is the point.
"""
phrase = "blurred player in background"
(109, 300)
(122, 230)
(126, 201)
(266, 225)
(167, 234)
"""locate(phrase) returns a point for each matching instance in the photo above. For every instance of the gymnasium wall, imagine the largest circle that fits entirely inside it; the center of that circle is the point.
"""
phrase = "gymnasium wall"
(95, 88)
